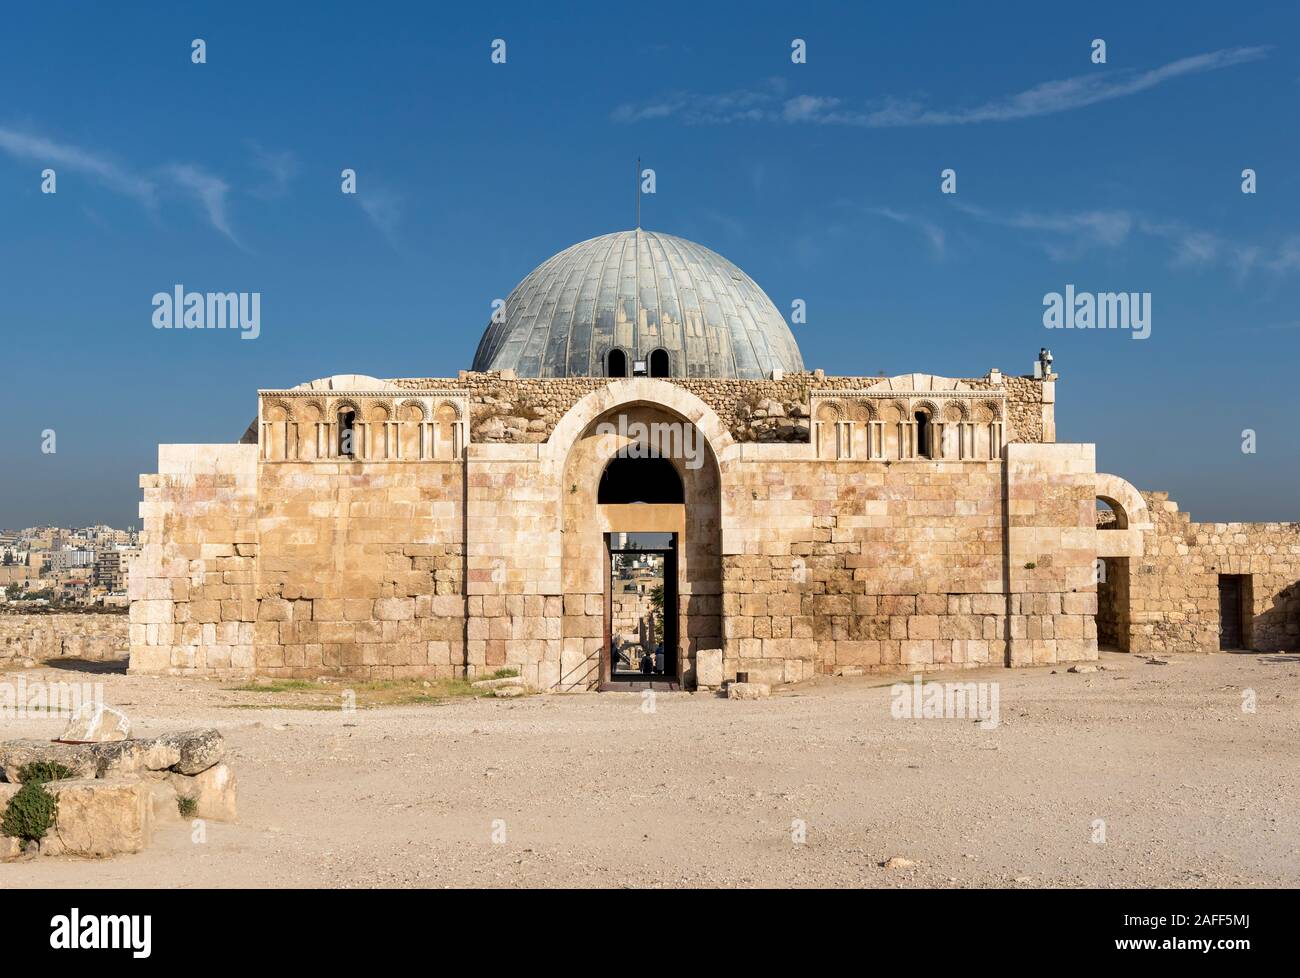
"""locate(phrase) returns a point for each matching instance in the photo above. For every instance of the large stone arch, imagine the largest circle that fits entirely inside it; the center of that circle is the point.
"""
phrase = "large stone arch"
(1117, 549)
(1124, 498)
(642, 390)
(1131, 516)
(580, 449)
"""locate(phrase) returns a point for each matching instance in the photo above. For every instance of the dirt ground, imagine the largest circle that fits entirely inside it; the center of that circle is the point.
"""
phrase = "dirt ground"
(593, 790)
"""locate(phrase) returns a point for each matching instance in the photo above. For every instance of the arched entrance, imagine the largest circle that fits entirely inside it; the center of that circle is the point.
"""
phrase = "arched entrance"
(1122, 518)
(643, 500)
(642, 547)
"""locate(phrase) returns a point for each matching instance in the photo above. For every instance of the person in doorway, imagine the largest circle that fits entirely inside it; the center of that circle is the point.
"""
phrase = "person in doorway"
(647, 663)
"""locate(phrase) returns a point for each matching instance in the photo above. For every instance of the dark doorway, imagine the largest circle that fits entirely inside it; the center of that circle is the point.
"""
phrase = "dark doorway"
(617, 363)
(642, 641)
(1232, 595)
(640, 480)
(1113, 617)
(659, 363)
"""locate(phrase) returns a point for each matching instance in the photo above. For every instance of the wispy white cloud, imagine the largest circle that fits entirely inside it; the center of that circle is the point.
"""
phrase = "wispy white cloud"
(384, 208)
(209, 190)
(46, 152)
(740, 105)
(766, 104)
(147, 188)
(932, 232)
(1065, 236)
(280, 168)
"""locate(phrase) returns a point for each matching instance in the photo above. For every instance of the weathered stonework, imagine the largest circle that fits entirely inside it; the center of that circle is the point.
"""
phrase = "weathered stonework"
(64, 635)
(1165, 597)
(416, 528)
(513, 410)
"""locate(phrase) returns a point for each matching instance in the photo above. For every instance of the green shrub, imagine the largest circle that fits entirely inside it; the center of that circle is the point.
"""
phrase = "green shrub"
(40, 772)
(30, 813)
(186, 805)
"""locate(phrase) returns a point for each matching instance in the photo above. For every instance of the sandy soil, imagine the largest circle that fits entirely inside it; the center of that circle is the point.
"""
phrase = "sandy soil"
(592, 791)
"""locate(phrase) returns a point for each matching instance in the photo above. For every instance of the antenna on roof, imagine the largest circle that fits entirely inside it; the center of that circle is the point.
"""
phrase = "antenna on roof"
(636, 261)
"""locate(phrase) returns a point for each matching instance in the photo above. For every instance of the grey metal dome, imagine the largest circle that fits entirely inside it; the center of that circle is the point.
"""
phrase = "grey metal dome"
(638, 292)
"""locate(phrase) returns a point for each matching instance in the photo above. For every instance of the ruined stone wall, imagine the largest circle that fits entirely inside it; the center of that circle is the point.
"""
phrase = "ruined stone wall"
(193, 601)
(633, 620)
(64, 635)
(1024, 408)
(1174, 594)
(360, 570)
(526, 410)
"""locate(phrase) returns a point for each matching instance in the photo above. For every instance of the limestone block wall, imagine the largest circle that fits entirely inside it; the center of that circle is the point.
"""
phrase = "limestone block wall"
(193, 600)
(1051, 553)
(515, 608)
(861, 565)
(64, 635)
(360, 569)
(1174, 595)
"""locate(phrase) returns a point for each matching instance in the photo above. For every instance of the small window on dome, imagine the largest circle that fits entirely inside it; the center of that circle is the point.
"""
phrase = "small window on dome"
(659, 363)
(616, 363)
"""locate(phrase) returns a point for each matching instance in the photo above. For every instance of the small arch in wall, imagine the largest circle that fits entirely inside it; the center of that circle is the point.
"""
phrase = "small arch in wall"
(924, 414)
(278, 411)
(346, 414)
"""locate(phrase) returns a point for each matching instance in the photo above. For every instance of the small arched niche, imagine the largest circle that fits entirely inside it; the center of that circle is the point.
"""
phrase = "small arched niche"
(924, 434)
(347, 432)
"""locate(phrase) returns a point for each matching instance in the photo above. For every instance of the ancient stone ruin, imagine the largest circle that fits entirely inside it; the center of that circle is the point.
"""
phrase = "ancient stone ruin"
(109, 796)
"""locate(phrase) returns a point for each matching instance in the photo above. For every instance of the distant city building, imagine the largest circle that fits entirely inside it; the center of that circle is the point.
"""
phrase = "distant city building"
(112, 568)
(60, 561)
(74, 565)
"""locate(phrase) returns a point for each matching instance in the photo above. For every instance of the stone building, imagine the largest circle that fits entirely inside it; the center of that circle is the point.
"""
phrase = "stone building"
(639, 385)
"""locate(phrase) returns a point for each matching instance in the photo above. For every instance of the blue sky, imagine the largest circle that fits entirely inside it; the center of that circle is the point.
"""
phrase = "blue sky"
(821, 180)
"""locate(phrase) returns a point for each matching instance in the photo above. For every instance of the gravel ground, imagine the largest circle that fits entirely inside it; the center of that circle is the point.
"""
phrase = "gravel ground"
(591, 790)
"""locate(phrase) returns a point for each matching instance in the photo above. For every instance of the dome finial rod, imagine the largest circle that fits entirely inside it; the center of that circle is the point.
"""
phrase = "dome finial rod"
(636, 261)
